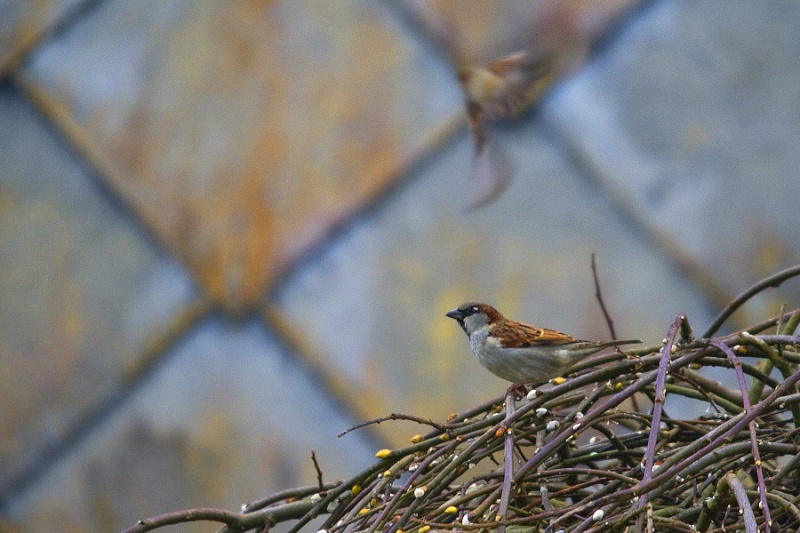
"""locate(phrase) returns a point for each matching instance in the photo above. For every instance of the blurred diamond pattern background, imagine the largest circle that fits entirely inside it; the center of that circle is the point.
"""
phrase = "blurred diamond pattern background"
(231, 230)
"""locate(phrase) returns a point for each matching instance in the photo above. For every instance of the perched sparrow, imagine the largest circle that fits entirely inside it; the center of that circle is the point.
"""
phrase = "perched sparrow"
(520, 352)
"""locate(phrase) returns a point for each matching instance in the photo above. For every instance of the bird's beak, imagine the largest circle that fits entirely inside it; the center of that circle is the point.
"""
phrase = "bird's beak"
(455, 314)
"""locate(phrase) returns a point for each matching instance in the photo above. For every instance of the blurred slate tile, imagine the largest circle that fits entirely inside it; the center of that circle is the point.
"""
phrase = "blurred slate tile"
(691, 119)
(82, 291)
(244, 132)
(22, 24)
(374, 302)
(228, 419)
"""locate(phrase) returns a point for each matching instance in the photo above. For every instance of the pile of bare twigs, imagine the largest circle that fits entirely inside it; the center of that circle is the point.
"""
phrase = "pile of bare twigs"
(583, 456)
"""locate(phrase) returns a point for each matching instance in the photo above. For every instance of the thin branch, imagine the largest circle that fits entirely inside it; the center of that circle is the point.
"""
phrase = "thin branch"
(233, 521)
(599, 295)
(792, 324)
(508, 461)
(658, 405)
(290, 494)
(772, 281)
(189, 515)
(740, 494)
(319, 471)
(394, 416)
(691, 455)
(751, 427)
(789, 468)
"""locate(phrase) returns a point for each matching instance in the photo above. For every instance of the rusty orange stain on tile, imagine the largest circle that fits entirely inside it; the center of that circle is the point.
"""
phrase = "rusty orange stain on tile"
(243, 133)
(251, 130)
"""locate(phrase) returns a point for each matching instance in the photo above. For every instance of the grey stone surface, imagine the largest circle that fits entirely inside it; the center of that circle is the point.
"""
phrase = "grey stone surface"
(23, 22)
(375, 300)
(685, 126)
(161, 450)
(82, 289)
(690, 118)
(243, 134)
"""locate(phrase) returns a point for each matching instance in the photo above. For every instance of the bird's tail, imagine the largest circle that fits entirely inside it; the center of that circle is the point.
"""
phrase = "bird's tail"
(618, 343)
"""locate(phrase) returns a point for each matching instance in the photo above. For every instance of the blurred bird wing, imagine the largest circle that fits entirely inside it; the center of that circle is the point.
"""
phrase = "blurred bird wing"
(492, 171)
(517, 60)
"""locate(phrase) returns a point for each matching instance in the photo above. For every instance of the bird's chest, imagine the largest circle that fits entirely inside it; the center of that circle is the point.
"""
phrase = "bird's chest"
(478, 341)
(486, 348)
(516, 364)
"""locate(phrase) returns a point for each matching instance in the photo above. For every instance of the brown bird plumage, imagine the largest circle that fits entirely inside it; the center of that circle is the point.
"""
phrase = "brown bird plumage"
(516, 351)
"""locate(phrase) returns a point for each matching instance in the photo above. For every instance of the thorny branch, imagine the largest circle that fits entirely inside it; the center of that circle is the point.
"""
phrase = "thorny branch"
(583, 463)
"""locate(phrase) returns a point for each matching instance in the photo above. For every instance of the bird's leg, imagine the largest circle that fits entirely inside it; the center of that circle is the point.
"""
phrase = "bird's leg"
(518, 389)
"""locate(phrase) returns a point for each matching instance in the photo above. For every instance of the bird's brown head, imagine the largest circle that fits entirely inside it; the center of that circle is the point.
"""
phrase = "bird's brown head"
(472, 316)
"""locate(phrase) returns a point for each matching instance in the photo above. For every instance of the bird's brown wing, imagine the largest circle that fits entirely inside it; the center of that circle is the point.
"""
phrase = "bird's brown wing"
(520, 335)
